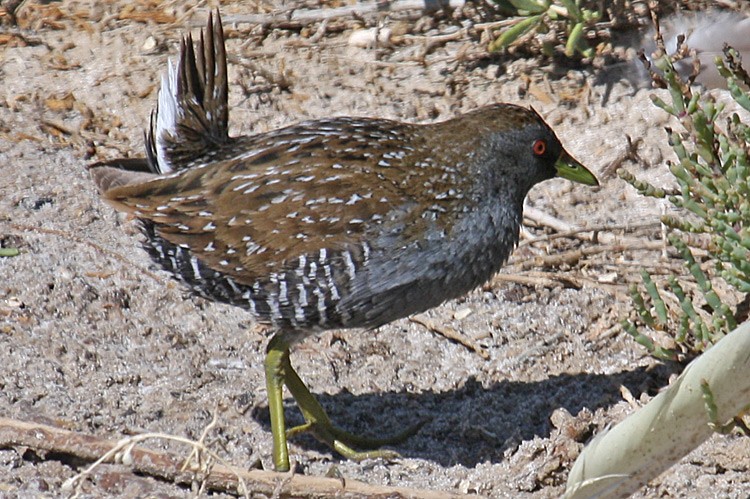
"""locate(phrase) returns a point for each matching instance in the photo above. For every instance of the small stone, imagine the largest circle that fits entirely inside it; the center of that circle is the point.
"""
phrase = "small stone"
(149, 45)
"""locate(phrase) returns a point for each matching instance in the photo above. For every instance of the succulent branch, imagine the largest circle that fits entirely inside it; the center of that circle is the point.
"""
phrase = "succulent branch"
(712, 174)
(543, 16)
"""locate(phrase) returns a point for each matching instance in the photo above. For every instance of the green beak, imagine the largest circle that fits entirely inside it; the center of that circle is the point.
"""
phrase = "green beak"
(569, 168)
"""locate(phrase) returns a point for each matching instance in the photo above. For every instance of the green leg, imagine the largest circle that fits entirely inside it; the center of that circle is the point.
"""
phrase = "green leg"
(279, 372)
(277, 358)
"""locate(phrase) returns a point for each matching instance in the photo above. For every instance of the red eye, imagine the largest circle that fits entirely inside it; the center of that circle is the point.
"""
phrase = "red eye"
(539, 147)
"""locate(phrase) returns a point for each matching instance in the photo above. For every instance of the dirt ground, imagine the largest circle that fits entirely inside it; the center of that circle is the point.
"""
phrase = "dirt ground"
(95, 340)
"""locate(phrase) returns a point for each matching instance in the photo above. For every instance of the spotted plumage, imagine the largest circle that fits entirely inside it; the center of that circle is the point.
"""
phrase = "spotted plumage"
(333, 223)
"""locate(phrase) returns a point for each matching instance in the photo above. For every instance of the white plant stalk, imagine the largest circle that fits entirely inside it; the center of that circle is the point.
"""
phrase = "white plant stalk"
(618, 462)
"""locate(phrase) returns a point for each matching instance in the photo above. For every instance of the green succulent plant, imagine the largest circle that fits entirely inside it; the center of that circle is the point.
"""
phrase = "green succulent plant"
(538, 16)
(712, 173)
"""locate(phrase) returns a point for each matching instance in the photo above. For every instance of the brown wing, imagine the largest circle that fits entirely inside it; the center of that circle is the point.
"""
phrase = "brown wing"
(251, 215)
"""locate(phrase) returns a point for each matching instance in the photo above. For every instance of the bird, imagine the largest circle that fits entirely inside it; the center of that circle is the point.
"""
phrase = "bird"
(335, 223)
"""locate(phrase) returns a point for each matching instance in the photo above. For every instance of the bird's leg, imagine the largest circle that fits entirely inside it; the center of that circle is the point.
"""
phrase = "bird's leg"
(279, 371)
(277, 359)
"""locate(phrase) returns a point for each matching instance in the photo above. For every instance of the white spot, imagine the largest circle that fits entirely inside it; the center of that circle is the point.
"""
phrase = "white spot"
(312, 273)
(300, 270)
(353, 199)
(196, 268)
(232, 285)
(283, 297)
(321, 305)
(333, 290)
(302, 294)
(252, 248)
(315, 201)
(274, 306)
(394, 155)
(251, 153)
(351, 270)
(244, 176)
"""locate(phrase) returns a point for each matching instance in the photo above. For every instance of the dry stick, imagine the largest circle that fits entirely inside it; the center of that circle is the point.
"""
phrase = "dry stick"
(547, 281)
(574, 256)
(449, 333)
(550, 280)
(168, 467)
(580, 232)
(303, 17)
(564, 228)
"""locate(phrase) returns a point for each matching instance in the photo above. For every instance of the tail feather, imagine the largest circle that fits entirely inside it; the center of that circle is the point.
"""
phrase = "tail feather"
(111, 174)
(192, 114)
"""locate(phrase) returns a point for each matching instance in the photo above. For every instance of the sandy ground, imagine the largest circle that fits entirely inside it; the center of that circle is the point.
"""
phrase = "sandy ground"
(95, 340)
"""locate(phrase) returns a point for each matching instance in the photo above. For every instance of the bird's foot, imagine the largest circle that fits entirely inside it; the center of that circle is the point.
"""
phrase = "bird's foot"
(280, 373)
(345, 443)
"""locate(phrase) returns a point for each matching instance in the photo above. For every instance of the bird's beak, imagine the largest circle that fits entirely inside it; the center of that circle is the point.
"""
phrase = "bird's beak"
(567, 167)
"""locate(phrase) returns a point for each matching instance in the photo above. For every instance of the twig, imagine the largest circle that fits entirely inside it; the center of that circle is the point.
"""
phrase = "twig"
(124, 452)
(304, 17)
(168, 467)
(545, 280)
(549, 343)
(574, 256)
(629, 154)
(431, 42)
(449, 333)
(60, 127)
(554, 280)
(565, 229)
(583, 233)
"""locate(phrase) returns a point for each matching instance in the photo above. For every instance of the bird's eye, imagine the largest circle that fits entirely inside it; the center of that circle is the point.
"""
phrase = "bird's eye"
(539, 147)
